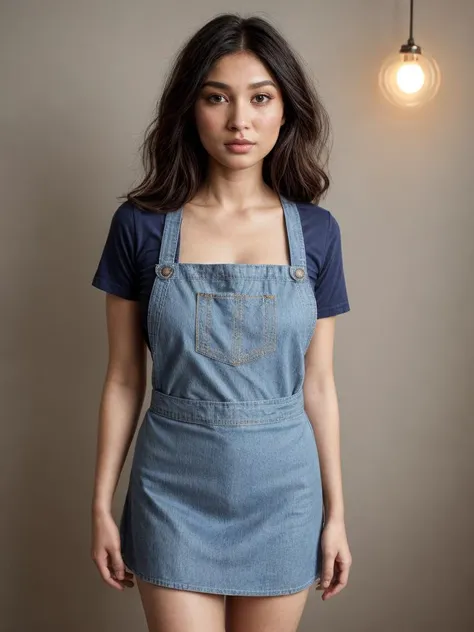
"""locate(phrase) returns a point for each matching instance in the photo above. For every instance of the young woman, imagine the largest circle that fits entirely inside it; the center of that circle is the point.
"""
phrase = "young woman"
(223, 265)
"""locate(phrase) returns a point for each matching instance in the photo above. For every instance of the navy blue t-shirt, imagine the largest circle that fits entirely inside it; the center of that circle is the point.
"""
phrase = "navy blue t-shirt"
(131, 251)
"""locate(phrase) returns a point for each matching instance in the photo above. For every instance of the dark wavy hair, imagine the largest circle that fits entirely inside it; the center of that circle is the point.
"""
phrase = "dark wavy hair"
(174, 159)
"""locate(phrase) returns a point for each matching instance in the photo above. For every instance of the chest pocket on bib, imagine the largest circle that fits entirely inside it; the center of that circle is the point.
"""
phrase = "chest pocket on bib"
(235, 328)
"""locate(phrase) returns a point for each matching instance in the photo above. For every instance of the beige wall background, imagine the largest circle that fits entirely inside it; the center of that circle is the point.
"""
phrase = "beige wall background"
(79, 81)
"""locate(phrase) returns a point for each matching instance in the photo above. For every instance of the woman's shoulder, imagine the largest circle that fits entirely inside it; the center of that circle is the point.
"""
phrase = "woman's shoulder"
(319, 226)
(142, 224)
(312, 215)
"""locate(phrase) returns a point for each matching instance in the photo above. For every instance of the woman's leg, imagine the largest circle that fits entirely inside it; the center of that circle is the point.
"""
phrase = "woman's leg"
(265, 614)
(172, 610)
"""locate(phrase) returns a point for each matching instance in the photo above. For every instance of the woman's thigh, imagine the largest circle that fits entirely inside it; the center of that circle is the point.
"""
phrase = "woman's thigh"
(281, 613)
(172, 610)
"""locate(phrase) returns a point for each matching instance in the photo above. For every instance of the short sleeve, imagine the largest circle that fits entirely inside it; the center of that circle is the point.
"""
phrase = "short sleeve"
(330, 287)
(116, 272)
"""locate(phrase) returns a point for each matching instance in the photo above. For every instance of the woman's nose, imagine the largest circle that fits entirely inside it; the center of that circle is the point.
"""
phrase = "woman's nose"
(238, 116)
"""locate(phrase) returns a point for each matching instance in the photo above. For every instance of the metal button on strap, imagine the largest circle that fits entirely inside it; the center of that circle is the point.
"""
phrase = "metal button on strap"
(166, 271)
(299, 273)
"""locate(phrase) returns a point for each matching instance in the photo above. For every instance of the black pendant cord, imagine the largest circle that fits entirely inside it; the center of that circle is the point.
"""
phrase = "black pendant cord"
(411, 41)
(410, 47)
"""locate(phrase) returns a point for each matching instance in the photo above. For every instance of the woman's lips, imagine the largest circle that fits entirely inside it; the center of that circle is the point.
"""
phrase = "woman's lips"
(240, 149)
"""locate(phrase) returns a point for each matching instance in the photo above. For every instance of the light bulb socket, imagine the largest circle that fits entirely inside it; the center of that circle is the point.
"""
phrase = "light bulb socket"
(411, 48)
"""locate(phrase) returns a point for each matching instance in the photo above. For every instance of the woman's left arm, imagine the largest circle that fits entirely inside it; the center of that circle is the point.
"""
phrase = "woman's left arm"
(321, 405)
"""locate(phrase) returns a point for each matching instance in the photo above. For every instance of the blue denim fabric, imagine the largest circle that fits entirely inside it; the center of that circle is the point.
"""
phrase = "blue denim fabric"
(225, 489)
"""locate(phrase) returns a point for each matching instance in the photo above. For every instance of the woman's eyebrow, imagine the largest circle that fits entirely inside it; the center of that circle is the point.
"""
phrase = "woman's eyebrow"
(225, 86)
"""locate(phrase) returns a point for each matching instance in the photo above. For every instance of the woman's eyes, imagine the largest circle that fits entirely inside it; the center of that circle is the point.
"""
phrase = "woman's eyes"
(257, 95)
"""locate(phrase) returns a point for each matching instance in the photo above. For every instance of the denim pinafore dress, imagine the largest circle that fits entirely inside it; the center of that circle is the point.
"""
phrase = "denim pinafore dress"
(225, 492)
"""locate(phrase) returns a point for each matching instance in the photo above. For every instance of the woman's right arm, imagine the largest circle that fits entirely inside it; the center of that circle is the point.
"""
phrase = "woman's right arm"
(122, 399)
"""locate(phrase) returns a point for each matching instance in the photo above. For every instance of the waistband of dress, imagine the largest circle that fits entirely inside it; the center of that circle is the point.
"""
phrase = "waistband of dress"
(227, 412)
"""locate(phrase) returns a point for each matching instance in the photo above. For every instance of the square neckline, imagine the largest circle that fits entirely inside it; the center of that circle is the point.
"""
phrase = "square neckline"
(235, 265)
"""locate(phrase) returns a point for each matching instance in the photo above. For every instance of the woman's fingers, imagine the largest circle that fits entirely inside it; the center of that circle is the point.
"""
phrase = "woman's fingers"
(112, 570)
(328, 570)
(117, 569)
(340, 580)
(127, 579)
(106, 552)
(128, 582)
(116, 565)
(337, 558)
(105, 572)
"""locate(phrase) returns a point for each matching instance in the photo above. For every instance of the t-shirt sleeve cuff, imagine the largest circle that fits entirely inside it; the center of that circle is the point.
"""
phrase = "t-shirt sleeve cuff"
(333, 310)
(112, 288)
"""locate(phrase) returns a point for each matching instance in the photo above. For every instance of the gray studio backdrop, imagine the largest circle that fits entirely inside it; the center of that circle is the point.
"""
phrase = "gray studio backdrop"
(79, 82)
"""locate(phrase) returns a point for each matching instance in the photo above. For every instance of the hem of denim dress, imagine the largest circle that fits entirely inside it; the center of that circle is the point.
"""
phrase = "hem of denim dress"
(220, 591)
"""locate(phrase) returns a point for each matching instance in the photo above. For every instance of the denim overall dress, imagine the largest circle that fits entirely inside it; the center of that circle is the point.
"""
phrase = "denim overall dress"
(225, 493)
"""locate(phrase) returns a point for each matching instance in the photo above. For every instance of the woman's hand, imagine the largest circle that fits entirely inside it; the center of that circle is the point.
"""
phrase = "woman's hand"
(105, 551)
(337, 559)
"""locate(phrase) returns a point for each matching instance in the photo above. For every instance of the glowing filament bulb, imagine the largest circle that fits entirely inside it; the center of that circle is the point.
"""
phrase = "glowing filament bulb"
(410, 77)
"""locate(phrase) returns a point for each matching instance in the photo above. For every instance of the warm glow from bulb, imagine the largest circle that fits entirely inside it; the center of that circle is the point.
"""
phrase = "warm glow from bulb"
(410, 77)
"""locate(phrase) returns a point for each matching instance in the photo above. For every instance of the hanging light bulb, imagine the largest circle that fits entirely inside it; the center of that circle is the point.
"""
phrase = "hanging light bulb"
(410, 77)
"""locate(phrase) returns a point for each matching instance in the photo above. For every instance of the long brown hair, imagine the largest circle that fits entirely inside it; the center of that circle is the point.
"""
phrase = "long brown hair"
(174, 160)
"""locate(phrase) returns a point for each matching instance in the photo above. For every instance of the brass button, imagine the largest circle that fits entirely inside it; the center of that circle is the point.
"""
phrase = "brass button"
(166, 271)
(299, 273)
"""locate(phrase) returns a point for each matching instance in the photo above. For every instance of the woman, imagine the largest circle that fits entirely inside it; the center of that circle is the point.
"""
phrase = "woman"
(221, 263)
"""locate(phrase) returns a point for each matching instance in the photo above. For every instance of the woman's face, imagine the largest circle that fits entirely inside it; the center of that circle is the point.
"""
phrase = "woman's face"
(229, 107)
